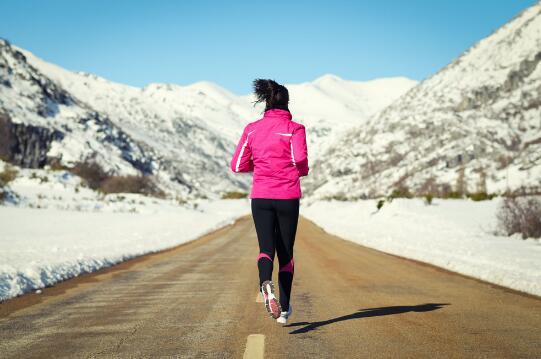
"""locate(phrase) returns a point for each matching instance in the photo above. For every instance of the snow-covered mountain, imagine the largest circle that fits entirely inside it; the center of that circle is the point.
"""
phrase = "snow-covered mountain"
(476, 121)
(203, 102)
(183, 135)
(39, 120)
(186, 131)
(329, 105)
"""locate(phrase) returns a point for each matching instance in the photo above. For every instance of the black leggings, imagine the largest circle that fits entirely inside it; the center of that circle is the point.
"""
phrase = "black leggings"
(276, 225)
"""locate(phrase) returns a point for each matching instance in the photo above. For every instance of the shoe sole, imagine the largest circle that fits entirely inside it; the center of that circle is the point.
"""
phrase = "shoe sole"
(271, 303)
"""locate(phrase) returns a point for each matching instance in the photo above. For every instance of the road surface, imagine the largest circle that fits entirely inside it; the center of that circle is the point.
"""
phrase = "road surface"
(200, 300)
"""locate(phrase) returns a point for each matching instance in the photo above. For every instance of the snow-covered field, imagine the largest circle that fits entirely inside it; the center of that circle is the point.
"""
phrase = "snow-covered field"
(39, 247)
(458, 235)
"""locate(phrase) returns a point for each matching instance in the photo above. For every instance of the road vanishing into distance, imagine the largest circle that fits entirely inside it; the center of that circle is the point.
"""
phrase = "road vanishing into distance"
(201, 300)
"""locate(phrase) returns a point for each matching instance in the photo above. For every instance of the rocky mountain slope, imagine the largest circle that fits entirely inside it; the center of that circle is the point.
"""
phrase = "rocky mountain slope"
(91, 116)
(474, 125)
(328, 106)
(40, 120)
(181, 135)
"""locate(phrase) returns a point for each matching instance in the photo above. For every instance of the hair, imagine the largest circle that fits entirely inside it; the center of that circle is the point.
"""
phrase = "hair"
(274, 94)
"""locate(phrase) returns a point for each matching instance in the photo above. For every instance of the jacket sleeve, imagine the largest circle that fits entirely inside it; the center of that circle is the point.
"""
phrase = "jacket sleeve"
(299, 150)
(242, 158)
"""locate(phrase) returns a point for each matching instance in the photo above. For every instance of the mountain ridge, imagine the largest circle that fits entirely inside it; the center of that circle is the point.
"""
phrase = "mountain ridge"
(477, 117)
(185, 134)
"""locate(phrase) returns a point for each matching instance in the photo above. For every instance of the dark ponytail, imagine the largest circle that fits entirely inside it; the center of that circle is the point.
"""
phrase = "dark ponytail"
(274, 94)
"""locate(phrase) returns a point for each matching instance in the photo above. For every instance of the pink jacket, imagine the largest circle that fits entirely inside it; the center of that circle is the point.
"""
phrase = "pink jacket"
(274, 148)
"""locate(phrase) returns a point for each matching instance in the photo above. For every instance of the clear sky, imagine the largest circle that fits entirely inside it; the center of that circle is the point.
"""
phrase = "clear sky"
(233, 42)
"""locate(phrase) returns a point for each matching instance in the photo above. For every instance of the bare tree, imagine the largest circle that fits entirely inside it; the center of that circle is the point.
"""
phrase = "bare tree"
(461, 186)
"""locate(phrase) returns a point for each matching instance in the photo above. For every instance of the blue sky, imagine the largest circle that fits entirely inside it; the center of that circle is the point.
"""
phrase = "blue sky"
(233, 42)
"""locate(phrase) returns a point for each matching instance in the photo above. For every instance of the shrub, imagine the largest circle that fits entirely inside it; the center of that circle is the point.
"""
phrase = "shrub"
(130, 184)
(400, 192)
(97, 179)
(524, 191)
(481, 196)
(520, 215)
(452, 194)
(234, 195)
(91, 172)
(335, 197)
(7, 175)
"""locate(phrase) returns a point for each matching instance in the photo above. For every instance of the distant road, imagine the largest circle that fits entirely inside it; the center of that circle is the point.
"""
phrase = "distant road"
(200, 300)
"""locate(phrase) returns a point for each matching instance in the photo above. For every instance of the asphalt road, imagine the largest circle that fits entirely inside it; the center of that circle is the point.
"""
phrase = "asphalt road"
(200, 300)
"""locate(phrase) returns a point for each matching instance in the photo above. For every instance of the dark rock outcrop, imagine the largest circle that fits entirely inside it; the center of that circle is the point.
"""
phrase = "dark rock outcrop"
(25, 145)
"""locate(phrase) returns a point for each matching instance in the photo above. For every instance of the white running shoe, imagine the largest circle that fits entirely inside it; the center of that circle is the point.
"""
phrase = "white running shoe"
(282, 319)
(271, 303)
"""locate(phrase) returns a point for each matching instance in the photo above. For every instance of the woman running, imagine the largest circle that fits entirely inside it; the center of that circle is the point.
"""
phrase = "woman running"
(274, 148)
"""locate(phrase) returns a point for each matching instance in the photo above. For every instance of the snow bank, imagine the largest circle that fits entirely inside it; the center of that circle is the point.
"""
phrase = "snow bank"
(41, 247)
(458, 235)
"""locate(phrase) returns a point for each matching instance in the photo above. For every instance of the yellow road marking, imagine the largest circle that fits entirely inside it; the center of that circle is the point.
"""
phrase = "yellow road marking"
(255, 346)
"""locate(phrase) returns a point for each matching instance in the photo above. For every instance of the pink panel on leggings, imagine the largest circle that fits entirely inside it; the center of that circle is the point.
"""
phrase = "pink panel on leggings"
(288, 267)
(264, 255)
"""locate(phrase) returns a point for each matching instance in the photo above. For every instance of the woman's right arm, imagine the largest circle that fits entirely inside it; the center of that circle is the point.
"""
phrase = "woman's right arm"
(242, 158)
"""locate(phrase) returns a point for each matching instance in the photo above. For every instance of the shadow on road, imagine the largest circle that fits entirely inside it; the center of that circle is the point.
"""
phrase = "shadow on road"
(366, 313)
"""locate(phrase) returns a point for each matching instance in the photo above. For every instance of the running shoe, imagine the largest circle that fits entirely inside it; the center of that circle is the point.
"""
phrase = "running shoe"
(271, 303)
(282, 319)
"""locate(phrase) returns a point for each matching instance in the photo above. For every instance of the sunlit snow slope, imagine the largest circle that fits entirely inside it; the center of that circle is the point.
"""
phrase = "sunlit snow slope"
(183, 135)
(330, 105)
(480, 115)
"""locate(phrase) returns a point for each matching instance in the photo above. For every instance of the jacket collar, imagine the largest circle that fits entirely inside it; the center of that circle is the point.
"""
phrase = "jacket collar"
(278, 113)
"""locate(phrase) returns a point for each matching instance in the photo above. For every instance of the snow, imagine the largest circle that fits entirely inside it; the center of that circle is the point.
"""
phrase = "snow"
(364, 137)
(329, 106)
(41, 247)
(187, 133)
(458, 235)
(480, 111)
(329, 102)
(56, 227)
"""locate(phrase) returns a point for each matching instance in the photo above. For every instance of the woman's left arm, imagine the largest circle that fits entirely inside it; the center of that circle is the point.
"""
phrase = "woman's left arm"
(300, 150)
